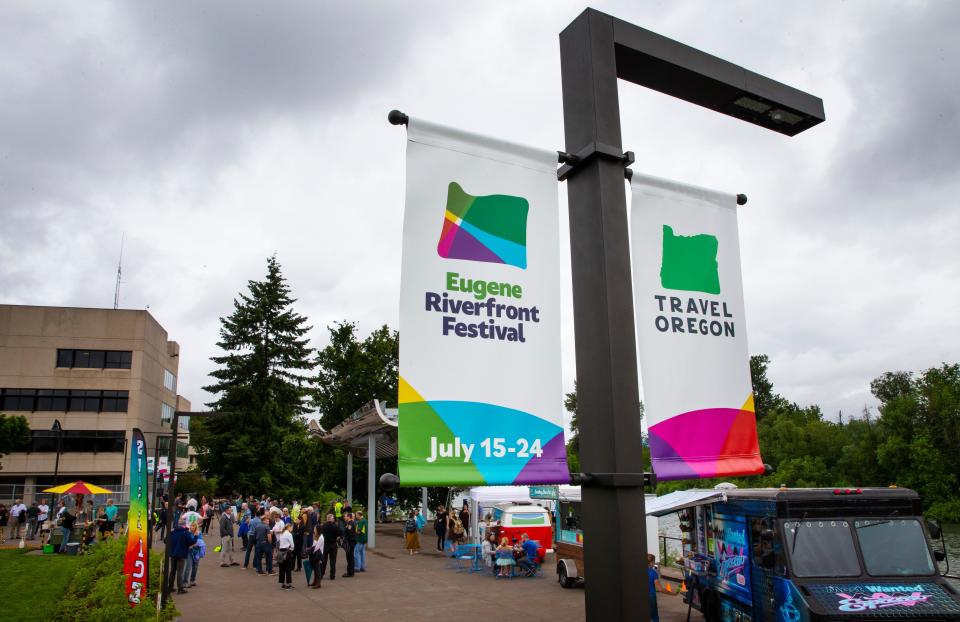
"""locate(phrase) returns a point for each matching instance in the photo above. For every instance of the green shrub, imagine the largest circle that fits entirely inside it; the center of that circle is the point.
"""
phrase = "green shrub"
(97, 590)
(945, 511)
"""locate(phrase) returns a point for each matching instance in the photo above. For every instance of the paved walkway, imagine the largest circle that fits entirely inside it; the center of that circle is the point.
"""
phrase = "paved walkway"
(396, 587)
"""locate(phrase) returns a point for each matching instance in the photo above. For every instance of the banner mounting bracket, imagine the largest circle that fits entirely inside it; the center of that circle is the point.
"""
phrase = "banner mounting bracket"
(611, 480)
(572, 161)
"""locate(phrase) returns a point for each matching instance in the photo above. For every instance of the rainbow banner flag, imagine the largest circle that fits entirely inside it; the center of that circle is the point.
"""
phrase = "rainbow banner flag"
(136, 561)
(480, 382)
(691, 331)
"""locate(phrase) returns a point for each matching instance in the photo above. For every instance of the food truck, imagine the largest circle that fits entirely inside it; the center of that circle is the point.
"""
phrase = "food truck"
(799, 555)
(516, 519)
(568, 543)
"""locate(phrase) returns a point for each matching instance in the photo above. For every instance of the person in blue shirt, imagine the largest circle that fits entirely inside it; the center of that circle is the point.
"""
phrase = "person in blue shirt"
(180, 542)
(111, 513)
(529, 560)
(653, 580)
(251, 541)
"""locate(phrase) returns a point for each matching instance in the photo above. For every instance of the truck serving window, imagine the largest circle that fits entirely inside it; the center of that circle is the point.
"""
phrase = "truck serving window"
(821, 548)
(894, 547)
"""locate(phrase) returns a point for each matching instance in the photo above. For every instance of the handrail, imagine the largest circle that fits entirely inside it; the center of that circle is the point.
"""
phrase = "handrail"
(667, 560)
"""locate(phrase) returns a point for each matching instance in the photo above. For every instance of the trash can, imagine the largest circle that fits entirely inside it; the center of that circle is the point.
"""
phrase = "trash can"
(47, 548)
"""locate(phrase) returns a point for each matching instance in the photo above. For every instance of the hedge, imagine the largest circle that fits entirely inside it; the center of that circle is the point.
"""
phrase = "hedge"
(98, 589)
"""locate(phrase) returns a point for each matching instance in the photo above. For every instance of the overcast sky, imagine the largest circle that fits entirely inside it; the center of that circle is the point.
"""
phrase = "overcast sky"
(213, 134)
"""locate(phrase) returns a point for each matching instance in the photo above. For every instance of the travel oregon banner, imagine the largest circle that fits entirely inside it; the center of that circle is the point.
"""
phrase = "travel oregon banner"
(480, 380)
(691, 331)
(136, 560)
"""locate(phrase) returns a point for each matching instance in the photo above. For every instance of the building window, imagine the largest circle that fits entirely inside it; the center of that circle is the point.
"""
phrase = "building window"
(52, 400)
(94, 359)
(115, 402)
(118, 360)
(78, 441)
(184, 423)
(183, 449)
(166, 414)
(169, 381)
(63, 400)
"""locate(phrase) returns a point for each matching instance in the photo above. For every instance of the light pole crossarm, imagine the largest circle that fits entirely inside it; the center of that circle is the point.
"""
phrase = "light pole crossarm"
(670, 67)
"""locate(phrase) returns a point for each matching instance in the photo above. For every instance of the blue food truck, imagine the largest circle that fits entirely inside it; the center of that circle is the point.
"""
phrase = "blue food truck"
(798, 555)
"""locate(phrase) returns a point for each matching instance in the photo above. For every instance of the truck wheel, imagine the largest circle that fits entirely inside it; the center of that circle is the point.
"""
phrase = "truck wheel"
(562, 578)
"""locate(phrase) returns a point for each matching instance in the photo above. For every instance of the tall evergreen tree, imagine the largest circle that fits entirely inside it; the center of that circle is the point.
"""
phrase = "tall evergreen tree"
(262, 388)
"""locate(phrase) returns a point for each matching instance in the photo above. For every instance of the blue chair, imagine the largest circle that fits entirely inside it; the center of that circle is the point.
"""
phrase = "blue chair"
(465, 557)
(508, 554)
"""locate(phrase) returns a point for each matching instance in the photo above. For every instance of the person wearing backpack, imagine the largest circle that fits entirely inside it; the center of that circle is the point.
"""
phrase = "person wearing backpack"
(410, 534)
(440, 527)
(455, 531)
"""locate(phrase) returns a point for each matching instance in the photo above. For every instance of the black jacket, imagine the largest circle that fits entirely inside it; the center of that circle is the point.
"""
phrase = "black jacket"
(350, 532)
(331, 533)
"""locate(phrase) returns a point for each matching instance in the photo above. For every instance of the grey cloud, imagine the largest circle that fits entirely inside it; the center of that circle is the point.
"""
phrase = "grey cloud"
(905, 125)
(180, 81)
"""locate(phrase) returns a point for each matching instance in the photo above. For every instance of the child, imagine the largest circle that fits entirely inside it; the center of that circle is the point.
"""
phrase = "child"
(653, 579)
(505, 557)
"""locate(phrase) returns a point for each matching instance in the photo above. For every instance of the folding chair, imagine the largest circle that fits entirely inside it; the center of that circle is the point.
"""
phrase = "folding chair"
(465, 557)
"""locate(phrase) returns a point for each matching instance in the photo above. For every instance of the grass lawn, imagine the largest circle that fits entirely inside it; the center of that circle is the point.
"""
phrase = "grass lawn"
(31, 586)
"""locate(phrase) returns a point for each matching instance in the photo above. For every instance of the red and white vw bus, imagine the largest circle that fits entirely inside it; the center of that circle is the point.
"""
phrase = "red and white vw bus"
(521, 518)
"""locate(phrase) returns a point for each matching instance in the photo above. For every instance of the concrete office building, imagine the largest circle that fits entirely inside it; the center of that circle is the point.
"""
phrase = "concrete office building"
(100, 373)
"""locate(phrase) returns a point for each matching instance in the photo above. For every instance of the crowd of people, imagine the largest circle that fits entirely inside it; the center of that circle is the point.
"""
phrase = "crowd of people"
(274, 537)
(35, 521)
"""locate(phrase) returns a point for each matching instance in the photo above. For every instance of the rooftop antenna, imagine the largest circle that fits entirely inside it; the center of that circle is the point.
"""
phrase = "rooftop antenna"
(116, 291)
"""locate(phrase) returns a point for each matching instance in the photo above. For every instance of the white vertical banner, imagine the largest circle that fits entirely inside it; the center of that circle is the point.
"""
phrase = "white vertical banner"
(691, 331)
(480, 377)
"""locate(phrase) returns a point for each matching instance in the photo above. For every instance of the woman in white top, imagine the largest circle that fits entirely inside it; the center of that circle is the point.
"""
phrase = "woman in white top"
(285, 556)
(488, 549)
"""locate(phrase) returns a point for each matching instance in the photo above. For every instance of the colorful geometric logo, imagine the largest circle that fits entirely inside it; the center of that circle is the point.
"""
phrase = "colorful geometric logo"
(712, 442)
(689, 262)
(490, 228)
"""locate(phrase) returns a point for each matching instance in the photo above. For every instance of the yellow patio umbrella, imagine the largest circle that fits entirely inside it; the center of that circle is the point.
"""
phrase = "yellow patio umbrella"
(79, 487)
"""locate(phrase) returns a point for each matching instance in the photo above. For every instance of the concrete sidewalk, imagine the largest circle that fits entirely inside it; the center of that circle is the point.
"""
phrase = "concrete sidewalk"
(396, 587)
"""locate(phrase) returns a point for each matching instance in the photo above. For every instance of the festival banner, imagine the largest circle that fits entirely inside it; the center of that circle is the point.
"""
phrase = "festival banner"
(136, 560)
(691, 331)
(480, 381)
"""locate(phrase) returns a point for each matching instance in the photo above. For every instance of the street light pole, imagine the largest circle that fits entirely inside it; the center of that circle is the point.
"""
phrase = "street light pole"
(56, 465)
(171, 479)
(172, 457)
(595, 51)
(156, 481)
